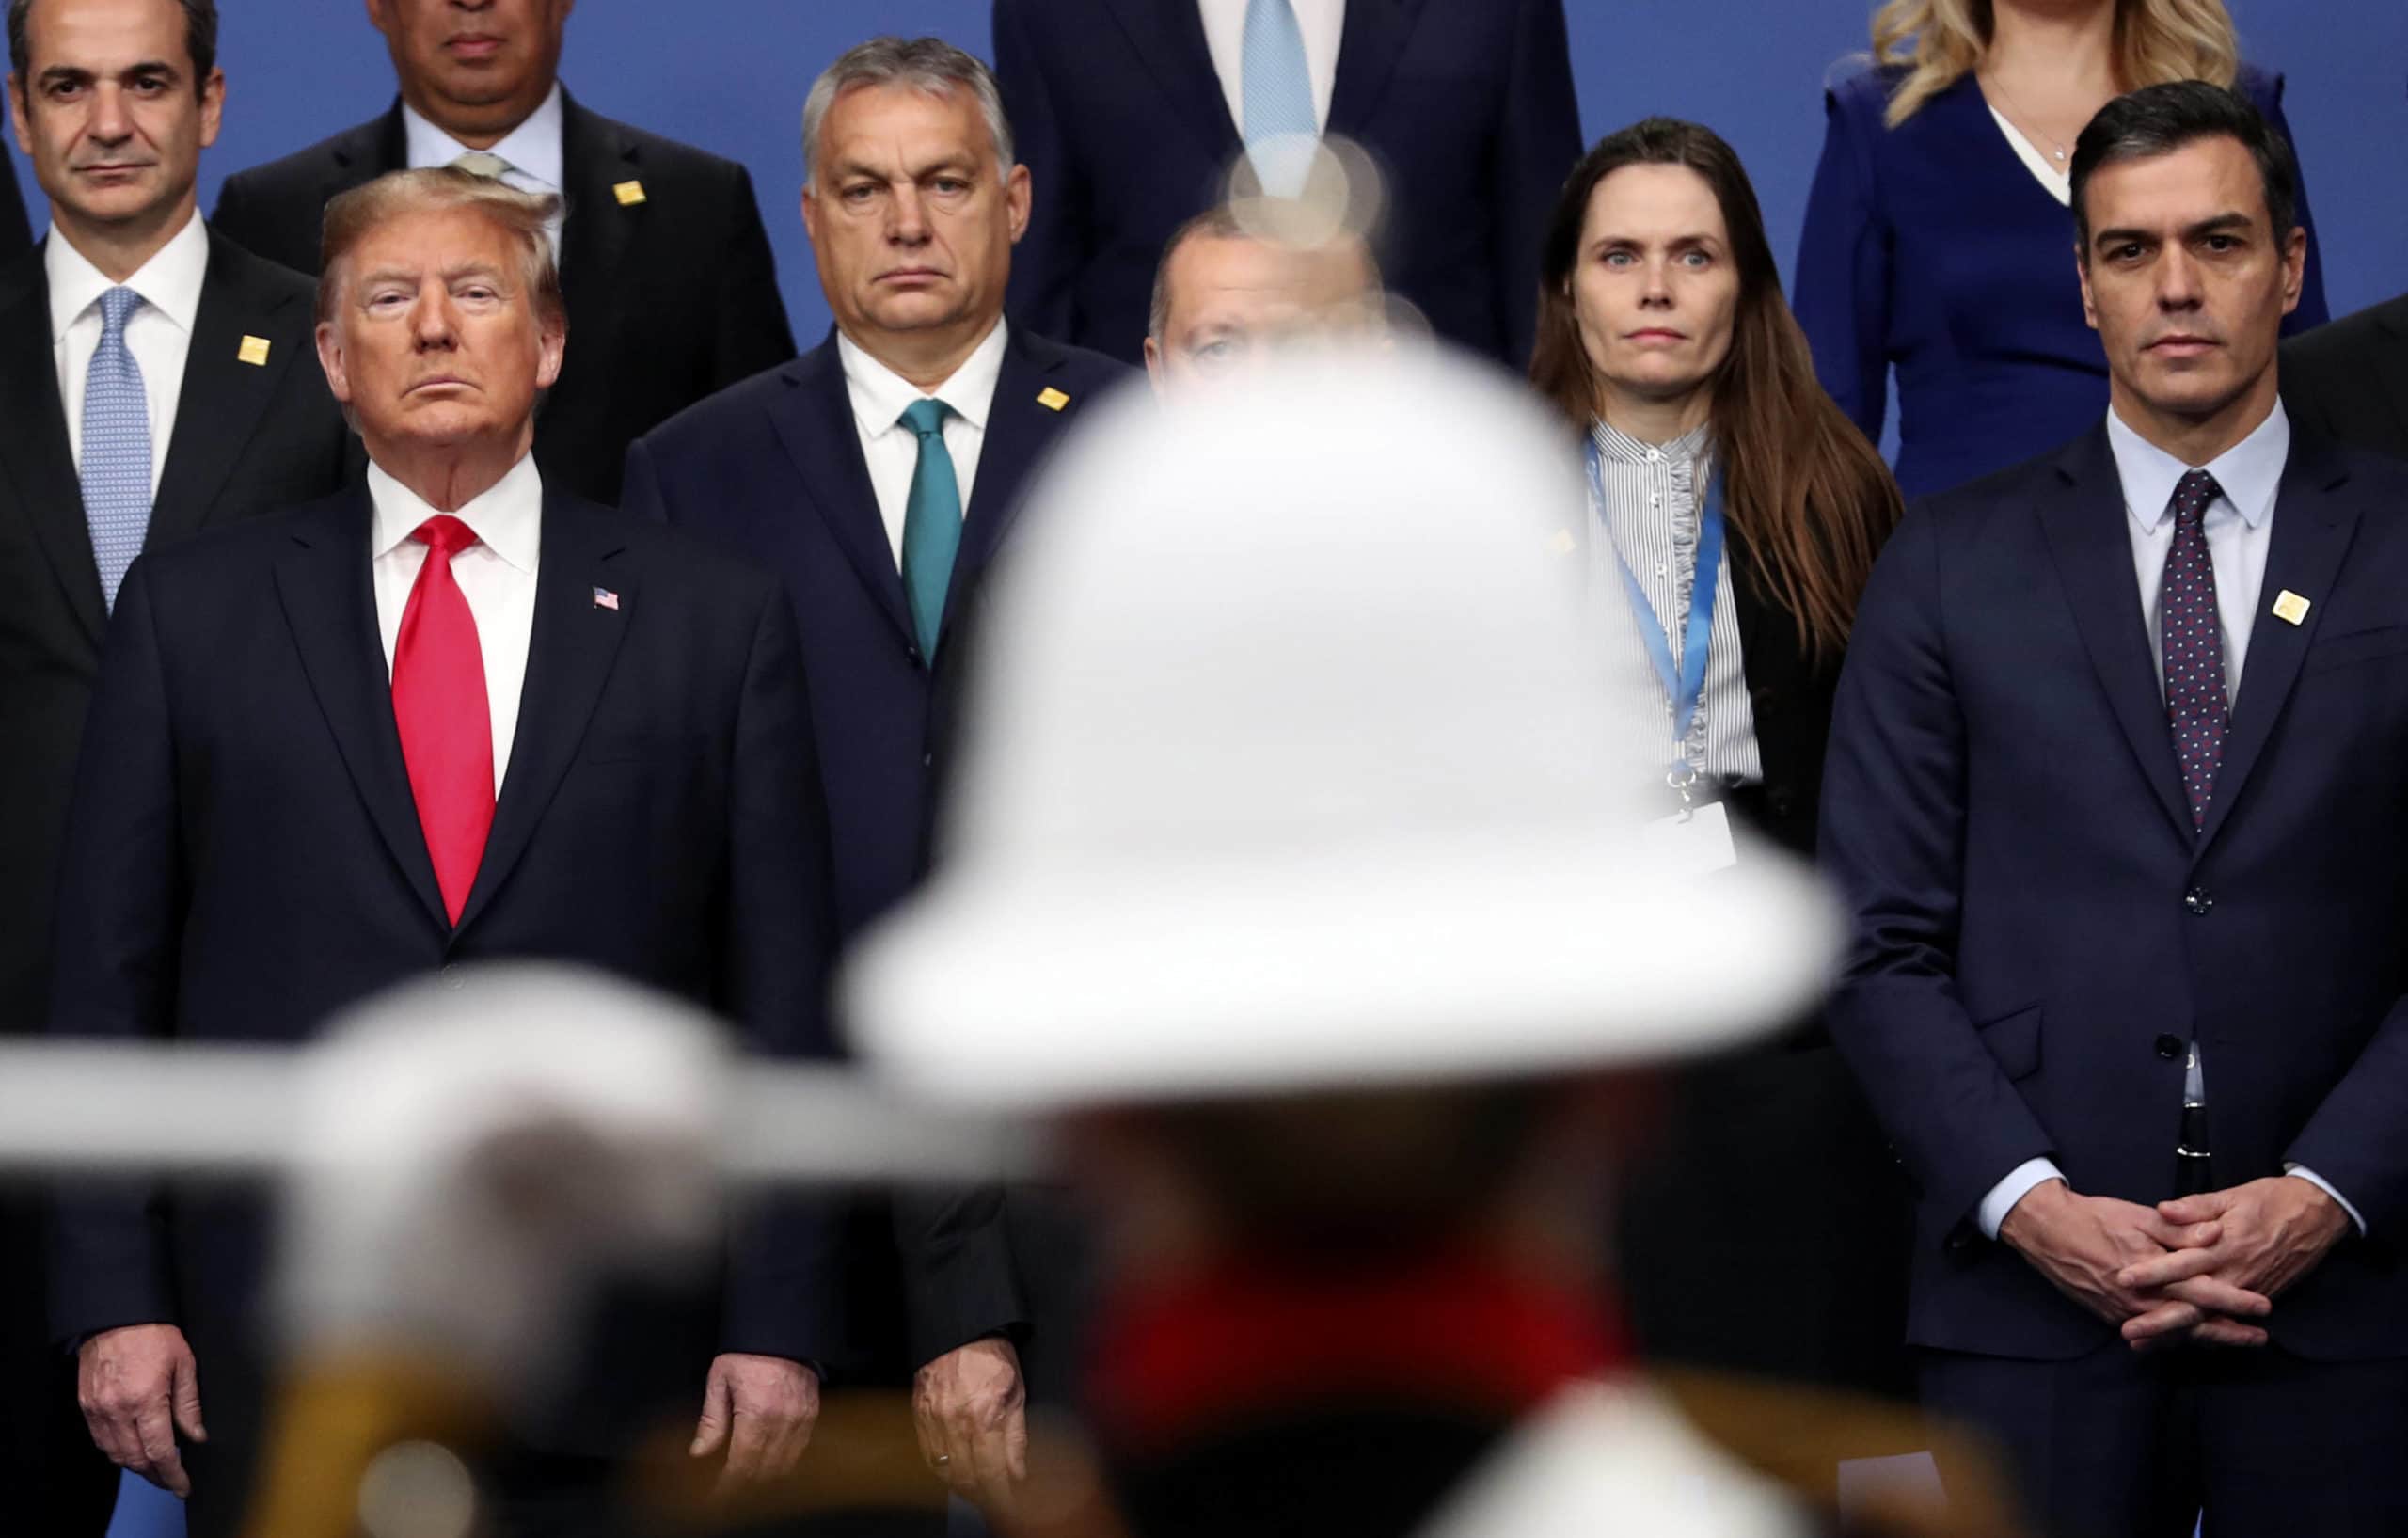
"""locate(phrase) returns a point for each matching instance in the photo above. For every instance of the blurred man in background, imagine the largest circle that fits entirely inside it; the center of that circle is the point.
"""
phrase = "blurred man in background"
(1232, 292)
(155, 380)
(450, 713)
(2347, 379)
(480, 87)
(880, 473)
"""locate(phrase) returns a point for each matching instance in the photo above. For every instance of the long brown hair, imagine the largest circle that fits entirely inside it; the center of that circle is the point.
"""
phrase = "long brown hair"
(1808, 498)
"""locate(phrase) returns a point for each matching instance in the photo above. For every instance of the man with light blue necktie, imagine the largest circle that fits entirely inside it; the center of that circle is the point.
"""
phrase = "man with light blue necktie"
(156, 381)
(880, 474)
(1132, 113)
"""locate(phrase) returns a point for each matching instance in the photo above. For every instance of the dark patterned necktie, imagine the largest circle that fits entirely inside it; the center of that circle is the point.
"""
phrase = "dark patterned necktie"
(2194, 638)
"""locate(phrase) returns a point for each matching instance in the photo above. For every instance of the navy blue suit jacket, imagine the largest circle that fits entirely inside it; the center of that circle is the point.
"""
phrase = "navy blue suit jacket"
(773, 468)
(1931, 246)
(243, 856)
(2036, 927)
(1468, 106)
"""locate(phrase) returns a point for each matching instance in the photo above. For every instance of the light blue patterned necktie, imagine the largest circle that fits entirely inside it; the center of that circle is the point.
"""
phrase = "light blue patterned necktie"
(1281, 130)
(931, 524)
(116, 472)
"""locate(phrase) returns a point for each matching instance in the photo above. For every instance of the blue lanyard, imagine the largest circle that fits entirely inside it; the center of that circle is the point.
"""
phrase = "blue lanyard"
(1684, 685)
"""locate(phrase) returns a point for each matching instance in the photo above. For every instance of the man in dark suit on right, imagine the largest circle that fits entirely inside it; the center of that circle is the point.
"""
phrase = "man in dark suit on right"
(1132, 113)
(880, 473)
(670, 284)
(2113, 797)
(2347, 379)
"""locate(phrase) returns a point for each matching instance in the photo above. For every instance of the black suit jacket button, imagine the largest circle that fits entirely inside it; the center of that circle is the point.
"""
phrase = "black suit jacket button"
(2169, 1047)
(1782, 803)
(2198, 901)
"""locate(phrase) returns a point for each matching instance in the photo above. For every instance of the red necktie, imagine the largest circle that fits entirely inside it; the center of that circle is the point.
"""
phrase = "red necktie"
(439, 704)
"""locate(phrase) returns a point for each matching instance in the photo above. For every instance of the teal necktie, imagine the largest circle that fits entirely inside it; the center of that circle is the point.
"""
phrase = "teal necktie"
(1281, 128)
(931, 524)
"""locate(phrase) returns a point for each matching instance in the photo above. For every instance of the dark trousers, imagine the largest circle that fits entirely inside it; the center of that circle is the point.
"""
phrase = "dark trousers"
(53, 1481)
(2118, 1444)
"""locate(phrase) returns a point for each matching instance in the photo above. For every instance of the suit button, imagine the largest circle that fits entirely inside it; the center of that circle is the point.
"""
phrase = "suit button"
(2197, 900)
(927, 760)
(911, 652)
(1782, 803)
(2169, 1047)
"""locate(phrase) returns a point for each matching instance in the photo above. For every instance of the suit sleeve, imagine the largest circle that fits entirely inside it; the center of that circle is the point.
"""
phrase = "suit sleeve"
(1046, 264)
(959, 1281)
(784, 1277)
(2311, 311)
(1537, 142)
(115, 959)
(1892, 841)
(639, 493)
(1842, 292)
(753, 331)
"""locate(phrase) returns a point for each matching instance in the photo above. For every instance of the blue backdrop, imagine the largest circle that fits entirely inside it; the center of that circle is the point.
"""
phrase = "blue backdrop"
(730, 75)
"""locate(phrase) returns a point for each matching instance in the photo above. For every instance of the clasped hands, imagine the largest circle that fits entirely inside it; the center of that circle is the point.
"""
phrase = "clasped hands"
(2200, 1268)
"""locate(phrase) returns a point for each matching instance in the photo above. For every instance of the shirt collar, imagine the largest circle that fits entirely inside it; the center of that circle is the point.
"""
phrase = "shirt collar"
(880, 394)
(2249, 473)
(533, 148)
(169, 282)
(1619, 448)
(508, 516)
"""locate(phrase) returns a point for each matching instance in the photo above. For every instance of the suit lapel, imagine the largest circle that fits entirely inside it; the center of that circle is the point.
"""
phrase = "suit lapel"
(2313, 521)
(813, 419)
(35, 449)
(1372, 41)
(368, 152)
(594, 159)
(223, 397)
(324, 585)
(2391, 366)
(568, 660)
(1170, 35)
(2094, 558)
(1019, 428)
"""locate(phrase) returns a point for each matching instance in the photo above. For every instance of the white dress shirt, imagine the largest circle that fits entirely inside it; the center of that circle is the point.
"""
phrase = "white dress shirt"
(892, 451)
(2238, 525)
(533, 149)
(158, 334)
(497, 575)
(1323, 23)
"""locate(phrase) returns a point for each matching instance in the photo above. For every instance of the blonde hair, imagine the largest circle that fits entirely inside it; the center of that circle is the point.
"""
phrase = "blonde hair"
(1939, 42)
(525, 216)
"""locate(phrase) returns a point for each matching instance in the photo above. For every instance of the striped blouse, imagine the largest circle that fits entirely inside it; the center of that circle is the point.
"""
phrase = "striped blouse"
(1649, 513)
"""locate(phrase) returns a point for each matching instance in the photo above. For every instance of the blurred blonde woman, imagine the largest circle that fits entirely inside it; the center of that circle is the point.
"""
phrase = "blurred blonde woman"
(1938, 240)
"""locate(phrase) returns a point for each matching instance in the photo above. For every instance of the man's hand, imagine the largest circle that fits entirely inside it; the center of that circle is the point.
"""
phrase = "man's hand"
(2090, 1247)
(971, 1410)
(2270, 1234)
(138, 1387)
(761, 1409)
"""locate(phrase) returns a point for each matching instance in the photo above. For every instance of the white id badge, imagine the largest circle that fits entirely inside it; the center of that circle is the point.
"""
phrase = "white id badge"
(1696, 842)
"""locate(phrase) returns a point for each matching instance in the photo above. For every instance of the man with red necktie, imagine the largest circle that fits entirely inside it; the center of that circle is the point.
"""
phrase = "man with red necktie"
(449, 714)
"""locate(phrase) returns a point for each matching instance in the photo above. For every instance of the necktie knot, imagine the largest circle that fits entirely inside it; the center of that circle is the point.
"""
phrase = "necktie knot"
(925, 417)
(2192, 495)
(483, 163)
(444, 535)
(117, 306)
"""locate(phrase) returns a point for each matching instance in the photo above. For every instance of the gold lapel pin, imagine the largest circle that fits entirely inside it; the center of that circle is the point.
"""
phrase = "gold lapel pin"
(253, 350)
(1052, 399)
(629, 193)
(2291, 608)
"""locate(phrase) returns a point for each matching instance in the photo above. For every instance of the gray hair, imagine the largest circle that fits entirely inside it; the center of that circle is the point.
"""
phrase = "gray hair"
(1221, 221)
(925, 64)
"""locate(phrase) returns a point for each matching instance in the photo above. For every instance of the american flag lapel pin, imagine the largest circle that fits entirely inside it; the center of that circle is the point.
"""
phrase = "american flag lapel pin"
(605, 598)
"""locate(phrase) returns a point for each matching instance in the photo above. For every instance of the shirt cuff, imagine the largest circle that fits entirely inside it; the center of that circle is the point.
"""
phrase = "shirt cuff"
(2019, 1184)
(2324, 1185)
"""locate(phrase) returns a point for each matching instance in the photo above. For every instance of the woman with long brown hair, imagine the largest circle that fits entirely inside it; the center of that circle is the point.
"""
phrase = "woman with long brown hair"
(1735, 514)
(1938, 241)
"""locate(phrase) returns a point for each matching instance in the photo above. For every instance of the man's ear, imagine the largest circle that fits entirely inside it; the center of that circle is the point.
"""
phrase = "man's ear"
(330, 359)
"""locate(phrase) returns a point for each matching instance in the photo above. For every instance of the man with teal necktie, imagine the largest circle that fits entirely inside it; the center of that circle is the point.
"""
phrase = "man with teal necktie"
(880, 473)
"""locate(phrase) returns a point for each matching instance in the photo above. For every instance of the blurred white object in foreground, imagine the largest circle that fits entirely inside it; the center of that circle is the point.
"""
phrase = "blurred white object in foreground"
(1295, 766)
